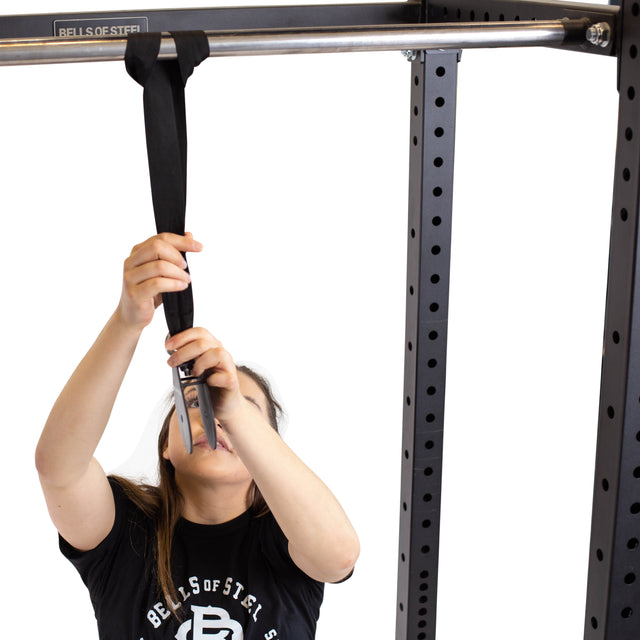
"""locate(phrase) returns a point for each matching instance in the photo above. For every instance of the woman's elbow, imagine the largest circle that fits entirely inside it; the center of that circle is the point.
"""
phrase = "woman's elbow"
(42, 461)
(350, 556)
(332, 561)
(345, 555)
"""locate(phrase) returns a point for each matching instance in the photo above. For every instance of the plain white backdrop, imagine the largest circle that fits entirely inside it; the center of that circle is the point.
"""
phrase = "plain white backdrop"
(298, 173)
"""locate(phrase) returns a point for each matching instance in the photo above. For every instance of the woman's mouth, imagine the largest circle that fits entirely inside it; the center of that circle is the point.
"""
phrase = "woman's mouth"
(202, 441)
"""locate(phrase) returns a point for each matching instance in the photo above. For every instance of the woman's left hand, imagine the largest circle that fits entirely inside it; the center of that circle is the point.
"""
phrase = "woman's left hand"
(213, 361)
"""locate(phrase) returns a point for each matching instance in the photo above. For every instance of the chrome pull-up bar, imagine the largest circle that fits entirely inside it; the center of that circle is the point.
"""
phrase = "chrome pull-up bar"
(334, 40)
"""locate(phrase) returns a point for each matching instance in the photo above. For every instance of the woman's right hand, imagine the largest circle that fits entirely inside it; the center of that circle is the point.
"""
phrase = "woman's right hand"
(155, 266)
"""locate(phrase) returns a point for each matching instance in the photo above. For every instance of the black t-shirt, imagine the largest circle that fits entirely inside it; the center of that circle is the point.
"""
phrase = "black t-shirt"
(234, 581)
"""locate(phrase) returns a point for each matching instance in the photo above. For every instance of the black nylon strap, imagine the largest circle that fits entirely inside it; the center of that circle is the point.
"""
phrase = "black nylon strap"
(166, 130)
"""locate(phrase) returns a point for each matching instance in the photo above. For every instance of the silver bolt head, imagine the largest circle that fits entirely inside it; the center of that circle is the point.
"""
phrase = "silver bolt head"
(599, 34)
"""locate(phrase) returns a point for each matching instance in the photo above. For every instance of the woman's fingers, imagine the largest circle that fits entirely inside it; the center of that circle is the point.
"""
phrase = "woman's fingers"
(222, 380)
(154, 267)
(151, 279)
(212, 361)
(187, 353)
(153, 270)
(150, 289)
(208, 355)
(183, 338)
(205, 356)
(165, 246)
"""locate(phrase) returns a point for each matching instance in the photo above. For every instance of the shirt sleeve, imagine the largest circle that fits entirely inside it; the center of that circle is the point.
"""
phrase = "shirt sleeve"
(276, 548)
(96, 565)
(301, 592)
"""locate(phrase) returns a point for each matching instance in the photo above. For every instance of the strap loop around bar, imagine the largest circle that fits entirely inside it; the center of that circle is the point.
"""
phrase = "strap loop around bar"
(166, 131)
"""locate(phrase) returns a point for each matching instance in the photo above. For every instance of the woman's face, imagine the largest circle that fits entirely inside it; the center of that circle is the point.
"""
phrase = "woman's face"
(220, 465)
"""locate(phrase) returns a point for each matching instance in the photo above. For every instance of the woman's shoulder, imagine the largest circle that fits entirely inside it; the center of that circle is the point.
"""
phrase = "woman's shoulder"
(130, 540)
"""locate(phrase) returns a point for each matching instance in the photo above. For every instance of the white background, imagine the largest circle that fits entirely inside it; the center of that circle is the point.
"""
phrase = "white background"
(298, 190)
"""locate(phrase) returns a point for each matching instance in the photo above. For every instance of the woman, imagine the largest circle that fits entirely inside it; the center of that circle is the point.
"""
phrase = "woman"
(236, 542)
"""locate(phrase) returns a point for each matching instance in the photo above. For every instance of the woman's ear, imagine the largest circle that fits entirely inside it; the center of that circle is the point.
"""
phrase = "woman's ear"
(164, 434)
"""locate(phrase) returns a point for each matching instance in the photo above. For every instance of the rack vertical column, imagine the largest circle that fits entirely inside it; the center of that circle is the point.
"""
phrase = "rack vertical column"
(613, 590)
(433, 110)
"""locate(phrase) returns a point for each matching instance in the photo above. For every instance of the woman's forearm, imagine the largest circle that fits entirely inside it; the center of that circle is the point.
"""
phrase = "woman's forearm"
(79, 417)
(320, 536)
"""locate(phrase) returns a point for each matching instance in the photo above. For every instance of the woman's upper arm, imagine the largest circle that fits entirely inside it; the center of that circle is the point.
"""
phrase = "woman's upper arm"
(83, 512)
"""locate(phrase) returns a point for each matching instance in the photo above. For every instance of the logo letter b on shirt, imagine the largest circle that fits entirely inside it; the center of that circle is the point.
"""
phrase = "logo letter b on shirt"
(218, 618)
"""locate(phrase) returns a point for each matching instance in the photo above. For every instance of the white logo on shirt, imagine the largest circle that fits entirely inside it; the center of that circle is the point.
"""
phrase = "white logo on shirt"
(217, 618)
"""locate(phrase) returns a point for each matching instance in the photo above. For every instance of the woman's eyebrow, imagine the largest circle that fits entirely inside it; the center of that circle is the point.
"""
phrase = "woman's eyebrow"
(254, 401)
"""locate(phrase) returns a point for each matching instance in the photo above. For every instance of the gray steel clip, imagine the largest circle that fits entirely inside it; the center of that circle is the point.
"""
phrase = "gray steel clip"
(182, 379)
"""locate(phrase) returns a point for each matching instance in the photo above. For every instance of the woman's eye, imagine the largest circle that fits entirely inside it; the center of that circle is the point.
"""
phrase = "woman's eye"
(192, 402)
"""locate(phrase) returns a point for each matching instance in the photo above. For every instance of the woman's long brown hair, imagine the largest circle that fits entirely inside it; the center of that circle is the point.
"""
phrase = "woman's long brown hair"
(162, 503)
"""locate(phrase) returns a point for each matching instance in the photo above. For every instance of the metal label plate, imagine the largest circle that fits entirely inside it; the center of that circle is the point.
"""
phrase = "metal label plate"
(99, 27)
